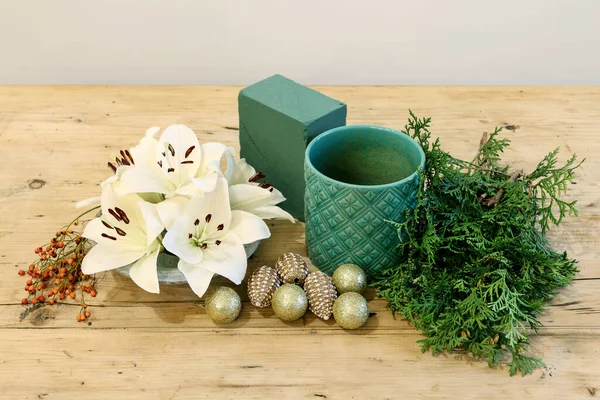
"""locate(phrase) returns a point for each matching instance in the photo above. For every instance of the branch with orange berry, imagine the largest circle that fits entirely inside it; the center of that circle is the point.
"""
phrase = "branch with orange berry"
(56, 276)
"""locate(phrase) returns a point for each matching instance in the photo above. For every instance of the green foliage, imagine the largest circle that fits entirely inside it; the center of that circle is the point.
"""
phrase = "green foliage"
(477, 268)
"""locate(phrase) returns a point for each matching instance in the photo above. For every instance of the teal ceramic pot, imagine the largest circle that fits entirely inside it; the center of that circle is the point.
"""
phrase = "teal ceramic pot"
(357, 178)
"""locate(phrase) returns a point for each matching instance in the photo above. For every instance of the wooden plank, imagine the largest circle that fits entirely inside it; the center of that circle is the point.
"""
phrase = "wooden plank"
(166, 347)
(150, 363)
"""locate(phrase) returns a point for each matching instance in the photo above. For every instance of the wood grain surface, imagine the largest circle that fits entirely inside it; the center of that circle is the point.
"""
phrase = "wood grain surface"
(54, 144)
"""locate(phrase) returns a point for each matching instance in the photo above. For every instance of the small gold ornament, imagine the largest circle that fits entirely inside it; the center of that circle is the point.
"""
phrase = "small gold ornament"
(321, 294)
(289, 302)
(351, 310)
(350, 278)
(223, 305)
(261, 286)
(292, 268)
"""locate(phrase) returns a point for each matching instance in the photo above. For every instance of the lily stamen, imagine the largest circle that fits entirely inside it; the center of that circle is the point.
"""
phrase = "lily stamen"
(122, 214)
(189, 151)
(108, 236)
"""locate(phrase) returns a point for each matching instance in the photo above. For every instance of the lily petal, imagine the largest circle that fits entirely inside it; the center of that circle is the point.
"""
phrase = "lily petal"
(248, 197)
(106, 257)
(214, 204)
(227, 259)
(92, 201)
(152, 131)
(177, 241)
(139, 179)
(144, 272)
(198, 278)
(171, 209)
(153, 224)
(212, 153)
(179, 153)
(241, 173)
(268, 212)
(248, 227)
(206, 183)
(144, 153)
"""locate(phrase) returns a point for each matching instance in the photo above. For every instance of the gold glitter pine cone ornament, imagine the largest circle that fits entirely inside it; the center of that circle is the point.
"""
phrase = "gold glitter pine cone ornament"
(292, 268)
(321, 294)
(263, 282)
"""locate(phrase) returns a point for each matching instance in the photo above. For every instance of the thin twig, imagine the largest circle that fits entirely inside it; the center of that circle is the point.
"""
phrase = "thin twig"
(495, 199)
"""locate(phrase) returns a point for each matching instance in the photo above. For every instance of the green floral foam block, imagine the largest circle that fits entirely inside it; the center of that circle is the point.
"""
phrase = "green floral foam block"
(278, 119)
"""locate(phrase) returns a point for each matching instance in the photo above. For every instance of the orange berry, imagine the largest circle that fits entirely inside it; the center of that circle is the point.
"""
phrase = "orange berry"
(29, 282)
(33, 301)
(93, 293)
(39, 287)
(21, 272)
(63, 270)
(44, 286)
(76, 223)
(51, 274)
(69, 261)
(52, 301)
(62, 296)
(74, 256)
(24, 301)
(31, 267)
(79, 318)
(61, 289)
(71, 287)
(38, 250)
(84, 305)
(72, 295)
(41, 299)
(67, 291)
(57, 282)
(87, 314)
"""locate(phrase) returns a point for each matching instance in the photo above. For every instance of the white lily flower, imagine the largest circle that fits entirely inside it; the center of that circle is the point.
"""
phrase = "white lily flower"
(126, 233)
(126, 160)
(246, 194)
(178, 165)
(175, 166)
(209, 239)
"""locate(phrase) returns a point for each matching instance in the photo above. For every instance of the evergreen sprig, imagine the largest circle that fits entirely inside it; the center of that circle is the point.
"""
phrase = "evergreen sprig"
(477, 269)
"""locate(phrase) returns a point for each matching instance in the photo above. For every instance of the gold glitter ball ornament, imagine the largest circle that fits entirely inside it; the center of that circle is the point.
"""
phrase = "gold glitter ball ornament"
(289, 302)
(351, 310)
(321, 294)
(263, 282)
(349, 278)
(292, 268)
(223, 305)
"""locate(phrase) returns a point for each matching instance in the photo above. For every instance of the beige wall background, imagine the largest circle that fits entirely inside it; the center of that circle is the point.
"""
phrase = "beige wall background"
(185, 42)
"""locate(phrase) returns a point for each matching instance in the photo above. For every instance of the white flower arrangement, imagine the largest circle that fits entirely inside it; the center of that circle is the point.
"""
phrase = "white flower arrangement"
(172, 194)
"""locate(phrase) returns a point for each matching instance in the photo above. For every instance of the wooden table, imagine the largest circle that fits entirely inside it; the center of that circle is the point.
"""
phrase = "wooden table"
(54, 144)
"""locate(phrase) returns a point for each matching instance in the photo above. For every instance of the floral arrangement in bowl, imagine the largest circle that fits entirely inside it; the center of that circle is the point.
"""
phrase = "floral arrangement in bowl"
(171, 207)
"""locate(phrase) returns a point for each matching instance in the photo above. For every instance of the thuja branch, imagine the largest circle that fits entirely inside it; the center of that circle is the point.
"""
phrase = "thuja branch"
(477, 269)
